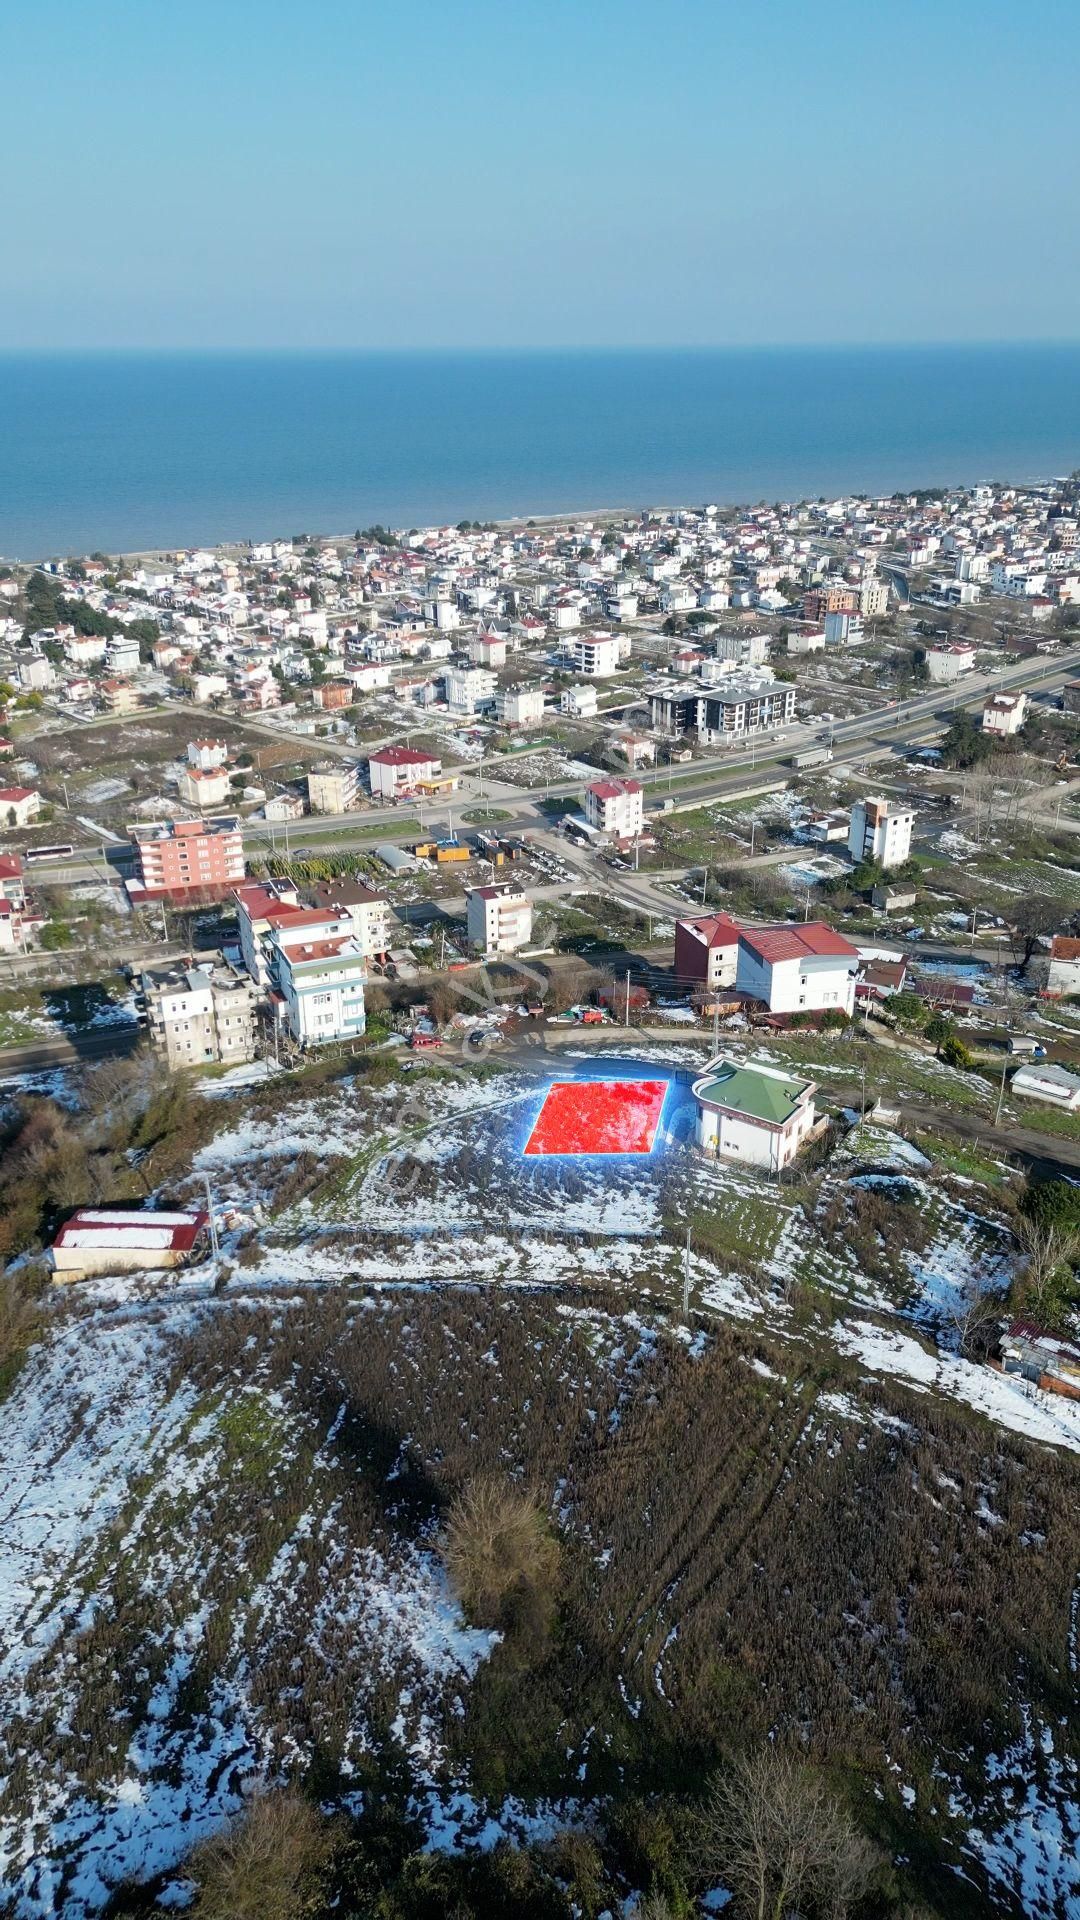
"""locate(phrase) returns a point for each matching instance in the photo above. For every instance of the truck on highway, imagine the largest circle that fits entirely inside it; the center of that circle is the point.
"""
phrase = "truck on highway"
(812, 757)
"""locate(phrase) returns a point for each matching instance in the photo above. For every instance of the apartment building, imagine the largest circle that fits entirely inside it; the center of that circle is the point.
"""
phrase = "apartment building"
(397, 770)
(519, 706)
(707, 951)
(200, 1014)
(1004, 713)
(317, 975)
(499, 917)
(333, 787)
(207, 755)
(597, 655)
(204, 788)
(367, 911)
(739, 704)
(187, 859)
(469, 688)
(256, 905)
(880, 831)
(19, 806)
(616, 807)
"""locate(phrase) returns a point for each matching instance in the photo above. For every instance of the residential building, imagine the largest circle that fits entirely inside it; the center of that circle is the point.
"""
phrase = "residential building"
(122, 1240)
(187, 859)
(707, 951)
(469, 688)
(119, 696)
(37, 675)
(367, 911)
(256, 904)
(756, 1115)
(805, 640)
(207, 755)
(397, 770)
(284, 806)
(317, 976)
(519, 706)
(844, 629)
(332, 695)
(122, 654)
(19, 806)
(1004, 713)
(333, 786)
(488, 650)
(579, 702)
(209, 788)
(740, 704)
(19, 925)
(615, 807)
(945, 664)
(1063, 977)
(880, 831)
(200, 1014)
(743, 649)
(597, 655)
(83, 649)
(792, 969)
(12, 884)
(499, 917)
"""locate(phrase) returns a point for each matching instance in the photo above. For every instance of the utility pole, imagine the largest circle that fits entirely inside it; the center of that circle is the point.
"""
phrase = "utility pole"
(627, 996)
(704, 884)
(214, 1245)
(753, 831)
(1001, 1089)
(686, 1281)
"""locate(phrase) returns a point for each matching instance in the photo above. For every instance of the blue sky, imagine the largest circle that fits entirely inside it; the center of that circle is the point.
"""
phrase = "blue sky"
(226, 174)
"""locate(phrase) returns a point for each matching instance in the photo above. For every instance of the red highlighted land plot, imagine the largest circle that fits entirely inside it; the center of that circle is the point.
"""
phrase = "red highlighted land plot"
(598, 1116)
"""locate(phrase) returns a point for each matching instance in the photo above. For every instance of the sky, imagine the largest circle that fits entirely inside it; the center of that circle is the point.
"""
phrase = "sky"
(459, 173)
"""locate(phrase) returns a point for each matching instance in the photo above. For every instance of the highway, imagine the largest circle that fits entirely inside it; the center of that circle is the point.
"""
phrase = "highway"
(887, 731)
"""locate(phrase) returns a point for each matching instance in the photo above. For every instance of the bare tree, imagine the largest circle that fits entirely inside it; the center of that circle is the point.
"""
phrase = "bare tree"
(1048, 1248)
(974, 1312)
(783, 1843)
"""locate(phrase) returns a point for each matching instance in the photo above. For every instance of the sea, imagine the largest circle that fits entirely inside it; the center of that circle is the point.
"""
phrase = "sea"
(129, 452)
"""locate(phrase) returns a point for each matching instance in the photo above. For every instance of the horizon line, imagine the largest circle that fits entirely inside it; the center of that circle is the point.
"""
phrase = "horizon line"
(204, 350)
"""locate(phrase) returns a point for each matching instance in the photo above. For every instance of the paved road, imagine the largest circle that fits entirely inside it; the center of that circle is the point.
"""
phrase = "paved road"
(82, 1049)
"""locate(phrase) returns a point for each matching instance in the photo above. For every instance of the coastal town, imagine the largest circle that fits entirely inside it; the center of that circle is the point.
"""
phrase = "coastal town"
(651, 938)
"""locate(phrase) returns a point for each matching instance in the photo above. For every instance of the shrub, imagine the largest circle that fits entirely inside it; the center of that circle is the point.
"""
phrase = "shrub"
(498, 1549)
(268, 1865)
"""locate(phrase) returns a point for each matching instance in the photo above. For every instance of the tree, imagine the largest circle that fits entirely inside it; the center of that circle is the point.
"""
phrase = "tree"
(974, 1311)
(938, 1029)
(907, 1010)
(964, 744)
(1034, 917)
(955, 1054)
(783, 1842)
(1049, 1250)
(268, 1865)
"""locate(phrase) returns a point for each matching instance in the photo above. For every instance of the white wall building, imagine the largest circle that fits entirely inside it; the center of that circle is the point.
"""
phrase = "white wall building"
(598, 655)
(807, 969)
(756, 1115)
(880, 831)
(469, 688)
(616, 807)
(499, 917)
(1005, 713)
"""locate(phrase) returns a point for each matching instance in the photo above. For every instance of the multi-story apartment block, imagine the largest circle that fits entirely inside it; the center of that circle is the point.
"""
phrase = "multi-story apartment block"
(187, 859)
(200, 1014)
(499, 917)
(880, 831)
(317, 975)
(616, 807)
(598, 655)
(396, 770)
(333, 787)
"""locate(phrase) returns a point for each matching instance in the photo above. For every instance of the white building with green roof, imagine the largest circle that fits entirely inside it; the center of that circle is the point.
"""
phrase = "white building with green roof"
(753, 1114)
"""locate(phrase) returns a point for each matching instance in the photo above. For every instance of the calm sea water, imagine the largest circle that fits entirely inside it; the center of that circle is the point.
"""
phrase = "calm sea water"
(129, 451)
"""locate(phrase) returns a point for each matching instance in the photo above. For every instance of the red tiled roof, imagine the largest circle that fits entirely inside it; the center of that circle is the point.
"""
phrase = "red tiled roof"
(401, 757)
(796, 943)
(1062, 946)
